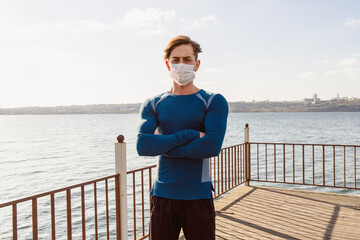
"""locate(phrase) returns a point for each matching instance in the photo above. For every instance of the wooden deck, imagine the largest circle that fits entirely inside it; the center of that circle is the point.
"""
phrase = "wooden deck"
(279, 213)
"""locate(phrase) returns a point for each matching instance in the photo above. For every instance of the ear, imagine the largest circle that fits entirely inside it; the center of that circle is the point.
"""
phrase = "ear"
(197, 65)
(167, 65)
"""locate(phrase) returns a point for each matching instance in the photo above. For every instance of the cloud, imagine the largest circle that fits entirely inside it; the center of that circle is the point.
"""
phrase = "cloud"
(333, 72)
(349, 67)
(348, 62)
(192, 23)
(351, 22)
(308, 74)
(149, 21)
(353, 72)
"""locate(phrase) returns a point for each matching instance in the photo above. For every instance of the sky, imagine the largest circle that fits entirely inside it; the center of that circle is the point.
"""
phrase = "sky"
(77, 52)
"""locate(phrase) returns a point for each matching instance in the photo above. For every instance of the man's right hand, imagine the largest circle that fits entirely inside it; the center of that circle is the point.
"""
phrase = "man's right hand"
(202, 134)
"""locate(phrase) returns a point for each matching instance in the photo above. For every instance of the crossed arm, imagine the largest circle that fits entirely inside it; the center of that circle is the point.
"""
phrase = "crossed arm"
(187, 143)
(215, 128)
(150, 144)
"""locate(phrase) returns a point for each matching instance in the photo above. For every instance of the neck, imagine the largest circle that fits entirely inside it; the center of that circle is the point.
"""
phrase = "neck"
(183, 90)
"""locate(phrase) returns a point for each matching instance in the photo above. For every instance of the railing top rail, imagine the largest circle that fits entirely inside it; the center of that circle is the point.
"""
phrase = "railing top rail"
(228, 147)
(141, 169)
(56, 191)
(306, 144)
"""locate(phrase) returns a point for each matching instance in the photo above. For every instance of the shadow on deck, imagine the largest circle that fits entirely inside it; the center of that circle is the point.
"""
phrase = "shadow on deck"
(277, 213)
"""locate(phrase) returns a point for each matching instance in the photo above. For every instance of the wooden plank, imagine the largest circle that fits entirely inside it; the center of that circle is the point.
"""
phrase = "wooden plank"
(278, 213)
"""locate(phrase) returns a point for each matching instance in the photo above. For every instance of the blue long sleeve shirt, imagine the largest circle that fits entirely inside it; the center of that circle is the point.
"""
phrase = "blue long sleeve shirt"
(183, 169)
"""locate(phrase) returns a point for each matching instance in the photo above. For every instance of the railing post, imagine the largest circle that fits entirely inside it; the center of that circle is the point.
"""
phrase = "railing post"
(120, 168)
(247, 154)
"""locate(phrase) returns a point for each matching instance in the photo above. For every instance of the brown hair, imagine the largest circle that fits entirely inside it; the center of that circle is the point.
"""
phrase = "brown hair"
(179, 40)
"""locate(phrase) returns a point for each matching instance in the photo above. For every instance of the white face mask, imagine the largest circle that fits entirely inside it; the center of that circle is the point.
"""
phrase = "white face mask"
(181, 73)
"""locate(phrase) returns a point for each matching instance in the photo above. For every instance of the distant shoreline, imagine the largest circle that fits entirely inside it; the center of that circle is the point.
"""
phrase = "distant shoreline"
(241, 107)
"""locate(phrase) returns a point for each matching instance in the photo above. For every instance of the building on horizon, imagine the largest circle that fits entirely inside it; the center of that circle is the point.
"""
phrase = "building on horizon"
(313, 100)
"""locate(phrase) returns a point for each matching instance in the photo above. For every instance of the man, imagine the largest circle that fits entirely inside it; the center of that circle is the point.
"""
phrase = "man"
(185, 127)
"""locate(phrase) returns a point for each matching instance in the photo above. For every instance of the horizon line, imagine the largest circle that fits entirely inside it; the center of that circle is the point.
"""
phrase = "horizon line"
(136, 103)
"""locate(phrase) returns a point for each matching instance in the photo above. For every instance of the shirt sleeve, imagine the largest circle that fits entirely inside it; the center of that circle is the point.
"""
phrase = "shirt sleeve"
(150, 144)
(215, 128)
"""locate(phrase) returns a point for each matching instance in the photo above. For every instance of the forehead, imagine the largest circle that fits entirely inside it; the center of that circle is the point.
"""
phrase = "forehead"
(183, 50)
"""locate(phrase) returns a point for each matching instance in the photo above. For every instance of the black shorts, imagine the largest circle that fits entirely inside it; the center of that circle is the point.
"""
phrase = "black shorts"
(195, 217)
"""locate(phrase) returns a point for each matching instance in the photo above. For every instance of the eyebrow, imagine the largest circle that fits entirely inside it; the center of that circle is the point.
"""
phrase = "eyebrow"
(182, 57)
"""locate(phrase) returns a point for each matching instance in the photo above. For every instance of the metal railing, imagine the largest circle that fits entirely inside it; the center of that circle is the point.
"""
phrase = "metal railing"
(320, 165)
(226, 170)
(111, 183)
(106, 212)
(142, 203)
